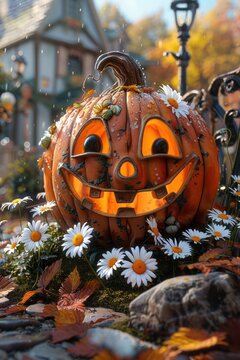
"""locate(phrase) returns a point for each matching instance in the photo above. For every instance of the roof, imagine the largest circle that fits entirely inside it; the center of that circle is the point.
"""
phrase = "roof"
(22, 20)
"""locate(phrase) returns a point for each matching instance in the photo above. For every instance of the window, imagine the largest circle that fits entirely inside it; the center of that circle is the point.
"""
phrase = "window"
(75, 66)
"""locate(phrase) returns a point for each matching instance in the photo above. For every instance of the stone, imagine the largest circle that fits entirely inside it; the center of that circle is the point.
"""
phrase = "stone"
(3, 355)
(11, 324)
(35, 309)
(47, 351)
(4, 302)
(105, 316)
(194, 301)
(122, 344)
(22, 341)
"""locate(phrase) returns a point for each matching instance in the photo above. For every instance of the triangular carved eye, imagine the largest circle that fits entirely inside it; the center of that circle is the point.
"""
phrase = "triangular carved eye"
(92, 138)
(158, 139)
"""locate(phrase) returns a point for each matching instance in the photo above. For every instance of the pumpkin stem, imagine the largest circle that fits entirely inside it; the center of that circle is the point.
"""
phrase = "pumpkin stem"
(124, 67)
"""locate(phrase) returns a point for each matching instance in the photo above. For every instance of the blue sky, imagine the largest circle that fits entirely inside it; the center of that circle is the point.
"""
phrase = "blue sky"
(137, 9)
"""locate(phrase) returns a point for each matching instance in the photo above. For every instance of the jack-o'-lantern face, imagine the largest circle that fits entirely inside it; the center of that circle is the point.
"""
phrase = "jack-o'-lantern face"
(127, 153)
(157, 140)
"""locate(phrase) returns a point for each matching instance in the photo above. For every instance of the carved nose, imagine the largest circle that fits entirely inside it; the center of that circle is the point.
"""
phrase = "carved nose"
(127, 169)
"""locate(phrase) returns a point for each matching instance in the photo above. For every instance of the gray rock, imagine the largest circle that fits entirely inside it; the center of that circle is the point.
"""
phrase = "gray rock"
(48, 352)
(35, 308)
(122, 344)
(103, 316)
(22, 341)
(11, 324)
(192, 301)
(3, 355)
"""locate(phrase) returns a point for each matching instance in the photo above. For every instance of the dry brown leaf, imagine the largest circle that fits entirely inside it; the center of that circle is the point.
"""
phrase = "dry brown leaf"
(232, 329)
(203, 267)
(89, 288)
(6, 285)
(63, 316)
(68, 317)
(71, 301)
(49, 273)
(15, 309)
(50, 310)
(84, 348)
(71, 283)
(190, 339)
(213, 254)
(162, 353)
(69, 331)
(106, 355)
(29, 294)
(3, 244)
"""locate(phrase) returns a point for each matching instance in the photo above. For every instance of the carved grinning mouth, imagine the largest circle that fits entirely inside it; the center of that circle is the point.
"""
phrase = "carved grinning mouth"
(129, 203)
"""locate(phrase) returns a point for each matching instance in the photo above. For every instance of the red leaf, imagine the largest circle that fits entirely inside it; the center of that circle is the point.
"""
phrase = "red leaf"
(49, 273)
(69, 331)
(213, 254)
(71, 283)
(89, 288)
(84, 348)
(50, 310)
(71, 301)
(6, 285)
(15, 309)
(203, 267)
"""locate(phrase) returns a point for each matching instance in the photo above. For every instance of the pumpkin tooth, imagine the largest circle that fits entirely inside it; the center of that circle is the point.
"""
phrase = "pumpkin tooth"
(171, 197)
(160, 193)
(95, 193)
(124, 197)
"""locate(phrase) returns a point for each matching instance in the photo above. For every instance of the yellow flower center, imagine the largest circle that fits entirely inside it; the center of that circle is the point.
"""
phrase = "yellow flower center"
(237, 193)
(139, 267)
(13, 245)
(195, 238)
(43, 209)
(173, 102)
(16, 201)
(223, 216)
(176, 249)
(217, 233)
(77, 240)
(155, 231)
(1, 256)
(112, 262)
(35, 236)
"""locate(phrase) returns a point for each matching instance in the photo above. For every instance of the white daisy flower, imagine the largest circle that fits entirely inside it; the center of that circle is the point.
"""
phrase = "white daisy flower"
(235, 191)
(236, 178)
(34, 235)
(41, 195)
(221, 216)
(10, 248)
(195, 235)
(41, 209)
(77, 239)
(152, 223)
(16, 202)
(111, 261)
(173, 99)
(218, 231)
(177, 250)
(139, 270)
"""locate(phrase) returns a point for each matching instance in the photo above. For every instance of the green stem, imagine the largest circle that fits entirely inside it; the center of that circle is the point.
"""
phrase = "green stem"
(38, 267)
(20, 217)
(94, 272)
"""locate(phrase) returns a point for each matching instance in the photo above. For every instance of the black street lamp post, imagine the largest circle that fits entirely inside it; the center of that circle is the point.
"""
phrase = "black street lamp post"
(184, 11)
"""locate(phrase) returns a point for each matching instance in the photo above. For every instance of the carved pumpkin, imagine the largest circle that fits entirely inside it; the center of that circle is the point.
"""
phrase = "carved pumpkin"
(119, 157)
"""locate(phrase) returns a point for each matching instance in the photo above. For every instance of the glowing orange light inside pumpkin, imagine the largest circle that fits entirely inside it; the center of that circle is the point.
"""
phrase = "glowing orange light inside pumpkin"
(127, 169)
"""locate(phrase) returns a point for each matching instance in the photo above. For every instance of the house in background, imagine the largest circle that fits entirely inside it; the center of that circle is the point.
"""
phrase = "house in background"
(60, 40)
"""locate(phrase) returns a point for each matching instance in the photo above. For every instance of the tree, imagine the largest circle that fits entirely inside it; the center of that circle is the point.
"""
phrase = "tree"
(214, 48)
(145, 33)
